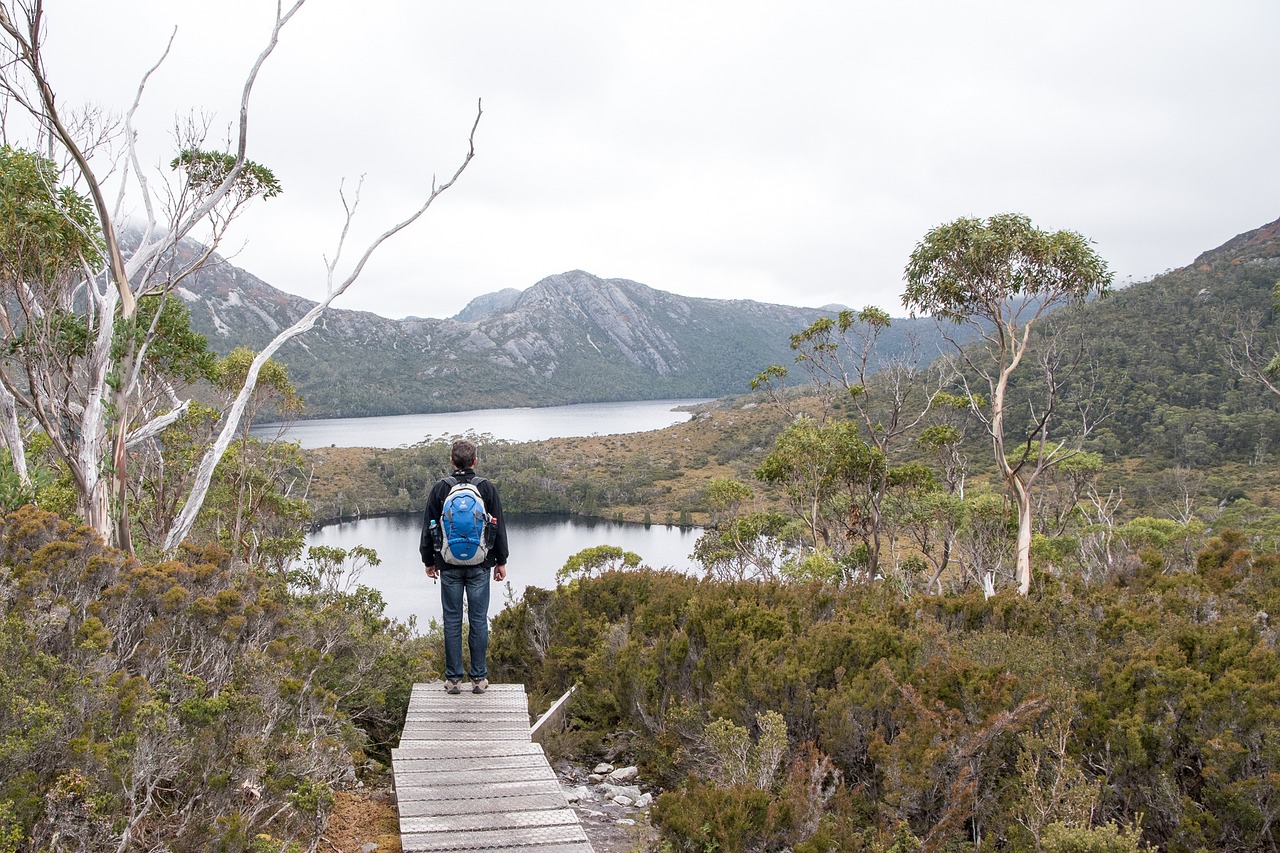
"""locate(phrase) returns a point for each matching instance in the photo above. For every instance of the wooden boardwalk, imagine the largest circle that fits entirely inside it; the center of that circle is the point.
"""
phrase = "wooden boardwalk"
(468, 777)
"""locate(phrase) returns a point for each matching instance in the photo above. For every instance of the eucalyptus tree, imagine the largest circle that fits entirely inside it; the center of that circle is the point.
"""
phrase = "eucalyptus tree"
(1002, 275)
(828, 474)
(889, 397)
(740, 545)
(48, 236)
(99, 286)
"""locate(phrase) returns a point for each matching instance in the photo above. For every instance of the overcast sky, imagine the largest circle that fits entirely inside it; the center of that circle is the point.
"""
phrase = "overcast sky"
(791, 152)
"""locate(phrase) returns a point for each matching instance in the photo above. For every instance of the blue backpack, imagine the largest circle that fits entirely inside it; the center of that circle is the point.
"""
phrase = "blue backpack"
(467, 530)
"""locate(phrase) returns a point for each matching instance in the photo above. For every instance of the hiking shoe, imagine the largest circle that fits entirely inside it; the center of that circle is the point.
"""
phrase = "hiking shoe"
(452, 687)
(480, 685)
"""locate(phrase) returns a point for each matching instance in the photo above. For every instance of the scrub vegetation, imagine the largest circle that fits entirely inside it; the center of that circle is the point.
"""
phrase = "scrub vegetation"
(1134, 709)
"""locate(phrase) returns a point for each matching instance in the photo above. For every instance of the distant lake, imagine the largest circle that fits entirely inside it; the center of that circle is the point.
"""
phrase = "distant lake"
(540, 544)
(585, 419)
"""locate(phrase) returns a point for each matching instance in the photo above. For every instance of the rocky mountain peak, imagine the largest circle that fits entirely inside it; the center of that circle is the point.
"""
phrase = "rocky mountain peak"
(489, 305)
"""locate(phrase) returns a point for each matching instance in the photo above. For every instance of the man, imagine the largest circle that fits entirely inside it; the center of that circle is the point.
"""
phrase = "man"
(469, 581)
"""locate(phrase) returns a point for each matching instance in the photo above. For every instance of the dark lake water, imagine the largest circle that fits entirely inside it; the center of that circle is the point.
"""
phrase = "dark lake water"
(540, 544)
(585, 419)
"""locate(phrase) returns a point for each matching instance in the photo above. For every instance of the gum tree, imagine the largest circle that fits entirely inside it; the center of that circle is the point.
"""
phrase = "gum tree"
(1002, 275)
(888, 396)
(92, 304)
(828, 474)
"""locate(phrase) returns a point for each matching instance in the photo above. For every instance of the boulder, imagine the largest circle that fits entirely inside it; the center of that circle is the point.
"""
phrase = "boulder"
(624, 774)
(612, 792)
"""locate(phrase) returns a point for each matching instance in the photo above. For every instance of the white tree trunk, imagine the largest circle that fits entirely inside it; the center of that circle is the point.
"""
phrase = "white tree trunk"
(13, 435)
(1022, 566)
(91, 456)
(204, 475)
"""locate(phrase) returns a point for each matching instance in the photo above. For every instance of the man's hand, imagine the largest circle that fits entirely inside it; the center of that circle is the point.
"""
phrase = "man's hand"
(431, 572)
(499, 573)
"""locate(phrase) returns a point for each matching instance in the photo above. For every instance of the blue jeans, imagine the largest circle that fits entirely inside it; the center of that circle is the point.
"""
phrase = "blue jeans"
(474, 582)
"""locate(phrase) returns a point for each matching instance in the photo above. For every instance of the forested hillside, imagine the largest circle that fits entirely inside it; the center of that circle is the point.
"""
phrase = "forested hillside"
(1159, 356)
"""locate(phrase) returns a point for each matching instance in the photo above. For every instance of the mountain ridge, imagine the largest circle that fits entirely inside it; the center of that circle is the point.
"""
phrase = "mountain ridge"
(571, 337)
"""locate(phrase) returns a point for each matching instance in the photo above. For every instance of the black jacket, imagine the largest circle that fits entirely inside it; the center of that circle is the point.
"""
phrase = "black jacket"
(435, 503)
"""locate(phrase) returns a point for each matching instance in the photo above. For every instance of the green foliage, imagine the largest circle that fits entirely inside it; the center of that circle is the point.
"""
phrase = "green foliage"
(11, 831)
(724, 495)
(828, 474)
(939, 435)
(965, 268)
(46, 231)
(163, 323)
(733, 758)
(700, 818)
(816, 565)
(245, 698)
(48, 485)
(272, 385)
(206, 170)
(1273, 366)
(48, 234)
(1108, 838)
(250, 508)
(754, 545)
(599, 558)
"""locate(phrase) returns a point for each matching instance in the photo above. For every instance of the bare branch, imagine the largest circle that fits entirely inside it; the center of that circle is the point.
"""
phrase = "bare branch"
(204, 476)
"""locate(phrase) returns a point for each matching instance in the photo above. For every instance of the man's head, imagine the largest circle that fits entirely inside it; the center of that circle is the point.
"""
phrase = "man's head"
(463, 453)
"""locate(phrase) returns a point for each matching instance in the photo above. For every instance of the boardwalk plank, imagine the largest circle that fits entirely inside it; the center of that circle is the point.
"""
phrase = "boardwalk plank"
(445, 727)
(430, 776)
(462, 763)
(546, 801)
(481, 735)
(518, 847)
(490, 820)
(485, 838)
(481, 790)
(468, 778)
(435, 749)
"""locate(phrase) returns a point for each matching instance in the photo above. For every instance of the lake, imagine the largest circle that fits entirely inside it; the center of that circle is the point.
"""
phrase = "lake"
(540, 544)
(585, 419)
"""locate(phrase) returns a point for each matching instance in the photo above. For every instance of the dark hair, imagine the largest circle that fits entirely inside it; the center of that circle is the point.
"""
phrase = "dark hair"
(463, 453)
